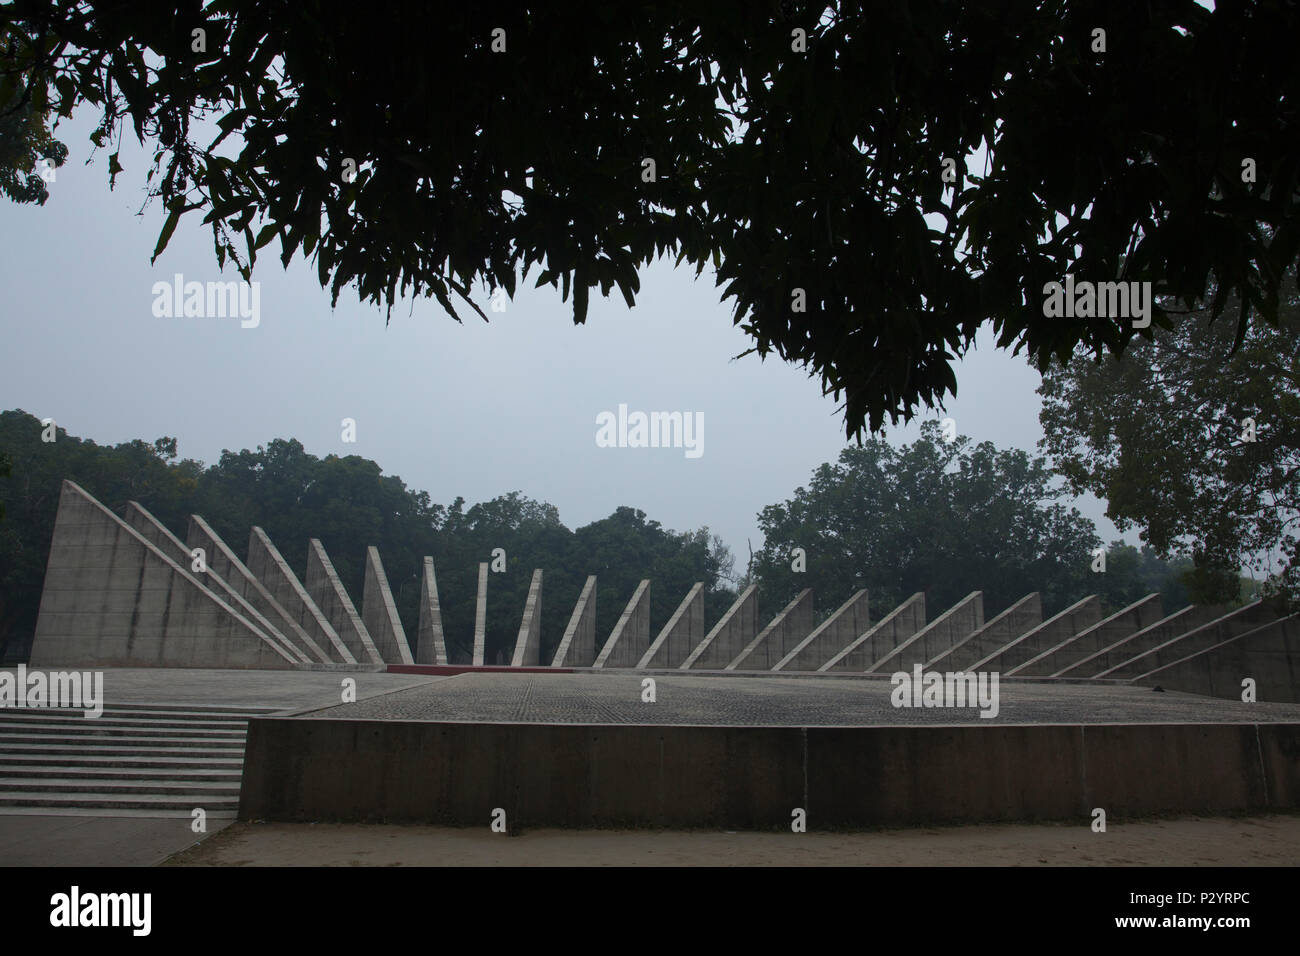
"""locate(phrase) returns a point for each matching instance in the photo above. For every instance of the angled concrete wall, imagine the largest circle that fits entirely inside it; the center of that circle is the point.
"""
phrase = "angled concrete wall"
(265, 561)
(328, 594)
(578, 645)
(785, 631)
(1016, 621)
(1122, 624)
(729, 636)
(113, 599)
(942, 634)
(1074, 619)
(528, 645)
(223, 563)
(431, 642)
(1230, 625)
(480, 617)
(829, 637)
(379, 611)
(631, 635)
(157, 534)
(890, 631)
(1127, 648)
(682, 633)
(1269, 655)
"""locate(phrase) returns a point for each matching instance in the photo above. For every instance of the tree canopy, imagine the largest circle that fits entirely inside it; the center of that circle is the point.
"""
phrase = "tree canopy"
(1193, 442)
(943, 517)
(816, 154)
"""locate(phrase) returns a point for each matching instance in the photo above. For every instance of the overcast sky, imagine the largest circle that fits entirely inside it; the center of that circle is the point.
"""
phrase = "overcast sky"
(476, 410)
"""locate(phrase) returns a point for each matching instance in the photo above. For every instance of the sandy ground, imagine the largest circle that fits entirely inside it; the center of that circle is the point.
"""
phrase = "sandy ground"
(1272, 840)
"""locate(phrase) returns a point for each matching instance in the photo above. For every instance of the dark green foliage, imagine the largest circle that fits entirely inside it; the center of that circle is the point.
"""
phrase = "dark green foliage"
(1131, 574)
(818, 170)
(27, 148)
(1162, 435)
(946, 518)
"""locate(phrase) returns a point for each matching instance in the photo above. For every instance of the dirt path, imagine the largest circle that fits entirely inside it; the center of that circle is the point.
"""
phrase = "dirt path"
(1272, 840)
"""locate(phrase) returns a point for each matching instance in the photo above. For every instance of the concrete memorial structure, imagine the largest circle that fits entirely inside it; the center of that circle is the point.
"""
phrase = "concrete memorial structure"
(729, 636)
(325, 588)
(430, 640)
(630, 638)
(747, 724)
(684, 630)
(125, 590)
(528, 646)
(578, 646)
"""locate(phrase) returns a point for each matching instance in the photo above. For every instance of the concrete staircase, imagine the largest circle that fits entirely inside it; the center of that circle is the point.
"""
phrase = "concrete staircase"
(137, 759)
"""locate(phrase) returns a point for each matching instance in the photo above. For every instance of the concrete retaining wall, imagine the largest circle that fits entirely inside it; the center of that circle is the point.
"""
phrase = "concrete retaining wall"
(755, 777)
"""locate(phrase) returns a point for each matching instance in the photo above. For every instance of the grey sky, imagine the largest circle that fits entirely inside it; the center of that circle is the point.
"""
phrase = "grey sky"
(475, 410)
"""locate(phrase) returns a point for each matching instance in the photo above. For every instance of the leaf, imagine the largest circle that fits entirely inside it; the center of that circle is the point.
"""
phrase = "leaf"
(579, 300)
(267, 233)
(169, 226)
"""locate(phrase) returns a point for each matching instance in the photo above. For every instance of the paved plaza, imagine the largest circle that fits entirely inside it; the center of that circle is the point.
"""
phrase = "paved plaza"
(760, 700)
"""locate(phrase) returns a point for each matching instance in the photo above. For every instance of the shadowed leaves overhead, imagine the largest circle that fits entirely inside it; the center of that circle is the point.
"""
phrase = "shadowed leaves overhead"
(818, 170)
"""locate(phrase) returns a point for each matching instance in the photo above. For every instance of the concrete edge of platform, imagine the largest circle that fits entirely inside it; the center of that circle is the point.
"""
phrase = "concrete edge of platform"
(452, 670)
(302, 711)
(460, 774)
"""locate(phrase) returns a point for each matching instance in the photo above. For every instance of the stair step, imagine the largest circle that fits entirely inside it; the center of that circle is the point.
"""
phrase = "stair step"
(100, 813)
(119, 745)
(12, 785)
(140, 759)
(193, 709)
(137, 801)
(95, 760)
(117, 772)
(116, 740)
(94, 728)
(151, 710)
(22, 718)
